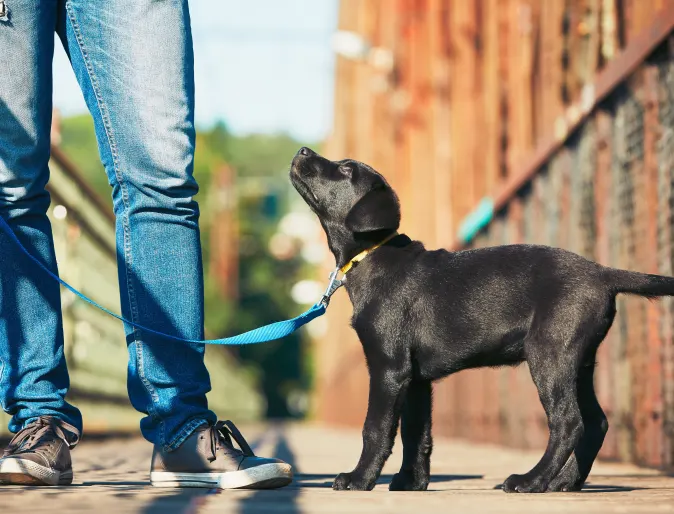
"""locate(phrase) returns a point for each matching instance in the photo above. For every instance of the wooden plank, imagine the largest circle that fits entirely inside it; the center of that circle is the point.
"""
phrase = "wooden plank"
(493, 92)
(400, 102)
(382, 84)
(572, 44)
(440, 119)
(550, 65)
(419, 123)
(590, 34)
(666, 240)
(638, 14)
(610, 36)
(462, 30)
(604, 380)
(477, 113)
(621, 255)
(362, 121)
(654, 341)
(637, 349)
(442, 407)
(520, 103)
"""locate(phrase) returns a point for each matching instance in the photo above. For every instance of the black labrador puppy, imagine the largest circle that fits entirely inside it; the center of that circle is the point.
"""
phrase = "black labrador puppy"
(422, 315)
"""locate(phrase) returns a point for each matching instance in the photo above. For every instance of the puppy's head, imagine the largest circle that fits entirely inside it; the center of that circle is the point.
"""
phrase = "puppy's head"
(355, 205)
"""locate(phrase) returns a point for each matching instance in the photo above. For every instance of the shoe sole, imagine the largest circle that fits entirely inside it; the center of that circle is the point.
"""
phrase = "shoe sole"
(26, 472)
(265, 476)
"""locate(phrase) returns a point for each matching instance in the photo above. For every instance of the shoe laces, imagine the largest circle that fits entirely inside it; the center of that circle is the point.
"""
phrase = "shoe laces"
(221, 435)
(28, 438)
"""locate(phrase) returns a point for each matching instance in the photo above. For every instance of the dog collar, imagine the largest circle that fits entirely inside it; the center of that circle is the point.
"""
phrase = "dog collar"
(335, 283)
(345, 269)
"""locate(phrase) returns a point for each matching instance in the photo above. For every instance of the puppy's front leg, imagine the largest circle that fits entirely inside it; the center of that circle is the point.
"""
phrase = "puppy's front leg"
(387, 394)
(415, 429)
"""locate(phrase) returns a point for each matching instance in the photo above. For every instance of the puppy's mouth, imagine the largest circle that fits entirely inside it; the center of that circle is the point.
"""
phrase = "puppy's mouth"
(303, 189)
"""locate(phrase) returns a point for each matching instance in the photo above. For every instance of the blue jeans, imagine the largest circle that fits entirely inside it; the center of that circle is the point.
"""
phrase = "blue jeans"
(134, 64)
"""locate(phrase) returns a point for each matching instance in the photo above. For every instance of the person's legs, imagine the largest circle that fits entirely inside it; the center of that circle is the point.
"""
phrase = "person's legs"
(134, 63)
(33, 374)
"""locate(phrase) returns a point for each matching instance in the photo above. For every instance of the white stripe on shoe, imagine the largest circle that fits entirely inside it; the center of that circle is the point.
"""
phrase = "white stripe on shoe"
(264, 476)
(26, 472)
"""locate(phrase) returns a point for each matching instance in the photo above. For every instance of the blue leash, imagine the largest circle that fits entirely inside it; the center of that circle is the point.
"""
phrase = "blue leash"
(259, 335)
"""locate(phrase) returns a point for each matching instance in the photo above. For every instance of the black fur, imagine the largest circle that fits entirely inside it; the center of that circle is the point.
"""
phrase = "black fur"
(422, 315)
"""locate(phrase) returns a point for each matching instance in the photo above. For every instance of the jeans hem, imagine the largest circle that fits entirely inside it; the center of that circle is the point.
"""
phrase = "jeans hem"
(77, 434)
(186, 431)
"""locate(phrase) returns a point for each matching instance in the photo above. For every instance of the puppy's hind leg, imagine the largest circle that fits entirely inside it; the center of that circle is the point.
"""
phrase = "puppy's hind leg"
(577, 468)
(415, 430)
(554, 369)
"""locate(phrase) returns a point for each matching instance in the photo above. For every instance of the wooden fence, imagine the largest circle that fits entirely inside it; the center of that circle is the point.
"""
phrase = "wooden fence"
(504, 121)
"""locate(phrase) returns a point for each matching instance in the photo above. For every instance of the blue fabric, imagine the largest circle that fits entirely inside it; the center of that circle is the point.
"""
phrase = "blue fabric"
(134, 64)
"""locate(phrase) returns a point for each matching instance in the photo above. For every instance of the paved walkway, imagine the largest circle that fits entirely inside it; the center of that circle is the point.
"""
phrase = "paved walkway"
(112, 476)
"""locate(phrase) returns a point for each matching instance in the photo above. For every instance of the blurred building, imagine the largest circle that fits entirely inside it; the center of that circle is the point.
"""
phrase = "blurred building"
(503, 121)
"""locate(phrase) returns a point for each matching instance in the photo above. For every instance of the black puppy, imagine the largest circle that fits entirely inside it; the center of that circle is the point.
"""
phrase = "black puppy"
(422, 315)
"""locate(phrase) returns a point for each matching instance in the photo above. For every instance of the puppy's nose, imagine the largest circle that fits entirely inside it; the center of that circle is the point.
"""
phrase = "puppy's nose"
(305, 151)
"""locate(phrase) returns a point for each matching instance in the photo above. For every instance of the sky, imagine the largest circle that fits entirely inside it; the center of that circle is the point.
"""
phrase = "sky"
(260, 66)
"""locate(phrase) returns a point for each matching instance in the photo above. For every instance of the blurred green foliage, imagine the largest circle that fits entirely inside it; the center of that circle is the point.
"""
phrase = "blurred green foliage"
(261, 163)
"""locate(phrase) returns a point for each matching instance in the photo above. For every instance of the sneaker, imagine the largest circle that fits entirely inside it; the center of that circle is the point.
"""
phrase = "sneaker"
(209, 459)
(39, 454)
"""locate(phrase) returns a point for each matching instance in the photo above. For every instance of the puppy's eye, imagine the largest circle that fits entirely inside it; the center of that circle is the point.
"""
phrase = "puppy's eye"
(346, 169)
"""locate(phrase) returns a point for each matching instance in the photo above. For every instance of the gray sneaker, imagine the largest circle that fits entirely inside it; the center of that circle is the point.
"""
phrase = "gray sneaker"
(39, 454)
(208, 459)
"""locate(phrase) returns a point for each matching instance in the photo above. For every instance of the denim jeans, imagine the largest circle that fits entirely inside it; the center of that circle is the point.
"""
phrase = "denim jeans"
(134, 63)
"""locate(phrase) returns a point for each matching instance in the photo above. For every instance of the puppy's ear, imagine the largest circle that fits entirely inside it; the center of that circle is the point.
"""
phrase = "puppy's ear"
(377, 210)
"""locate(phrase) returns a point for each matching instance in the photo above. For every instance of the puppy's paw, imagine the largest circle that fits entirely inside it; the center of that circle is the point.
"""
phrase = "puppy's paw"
(524, 484)
(351, 482)
(566, 481)
(408, 481)
(342, 482)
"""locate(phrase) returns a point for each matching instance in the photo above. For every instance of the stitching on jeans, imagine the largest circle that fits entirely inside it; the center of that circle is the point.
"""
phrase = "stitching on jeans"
(2, 370)
(184, 434)
(125, 198)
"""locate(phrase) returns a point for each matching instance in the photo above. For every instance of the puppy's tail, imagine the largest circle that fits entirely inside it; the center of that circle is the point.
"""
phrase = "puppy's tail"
(643, 284)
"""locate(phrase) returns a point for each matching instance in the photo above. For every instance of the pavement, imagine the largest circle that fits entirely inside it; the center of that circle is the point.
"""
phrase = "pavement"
(111, 475)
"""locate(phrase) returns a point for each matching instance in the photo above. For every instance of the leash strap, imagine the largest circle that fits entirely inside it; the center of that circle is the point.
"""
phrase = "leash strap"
(259, 335)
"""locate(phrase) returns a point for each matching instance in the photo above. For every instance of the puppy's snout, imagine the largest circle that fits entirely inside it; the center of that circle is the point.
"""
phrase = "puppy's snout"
(301, 154)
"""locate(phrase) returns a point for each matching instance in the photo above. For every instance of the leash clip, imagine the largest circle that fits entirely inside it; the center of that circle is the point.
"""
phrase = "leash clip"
(333, 285)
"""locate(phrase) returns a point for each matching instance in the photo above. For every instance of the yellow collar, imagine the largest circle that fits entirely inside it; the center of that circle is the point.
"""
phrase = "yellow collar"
(344, 269)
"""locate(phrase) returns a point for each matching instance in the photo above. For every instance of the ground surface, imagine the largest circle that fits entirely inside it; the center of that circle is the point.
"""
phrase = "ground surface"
(112, 476)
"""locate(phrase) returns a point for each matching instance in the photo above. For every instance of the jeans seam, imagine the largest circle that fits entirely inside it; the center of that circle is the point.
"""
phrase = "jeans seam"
(103, 111)
(186, 431)
(2, 371)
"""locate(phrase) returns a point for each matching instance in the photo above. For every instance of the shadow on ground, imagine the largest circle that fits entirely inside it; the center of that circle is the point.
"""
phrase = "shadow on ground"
(286, 497)
(597, 488)
(383, 479)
